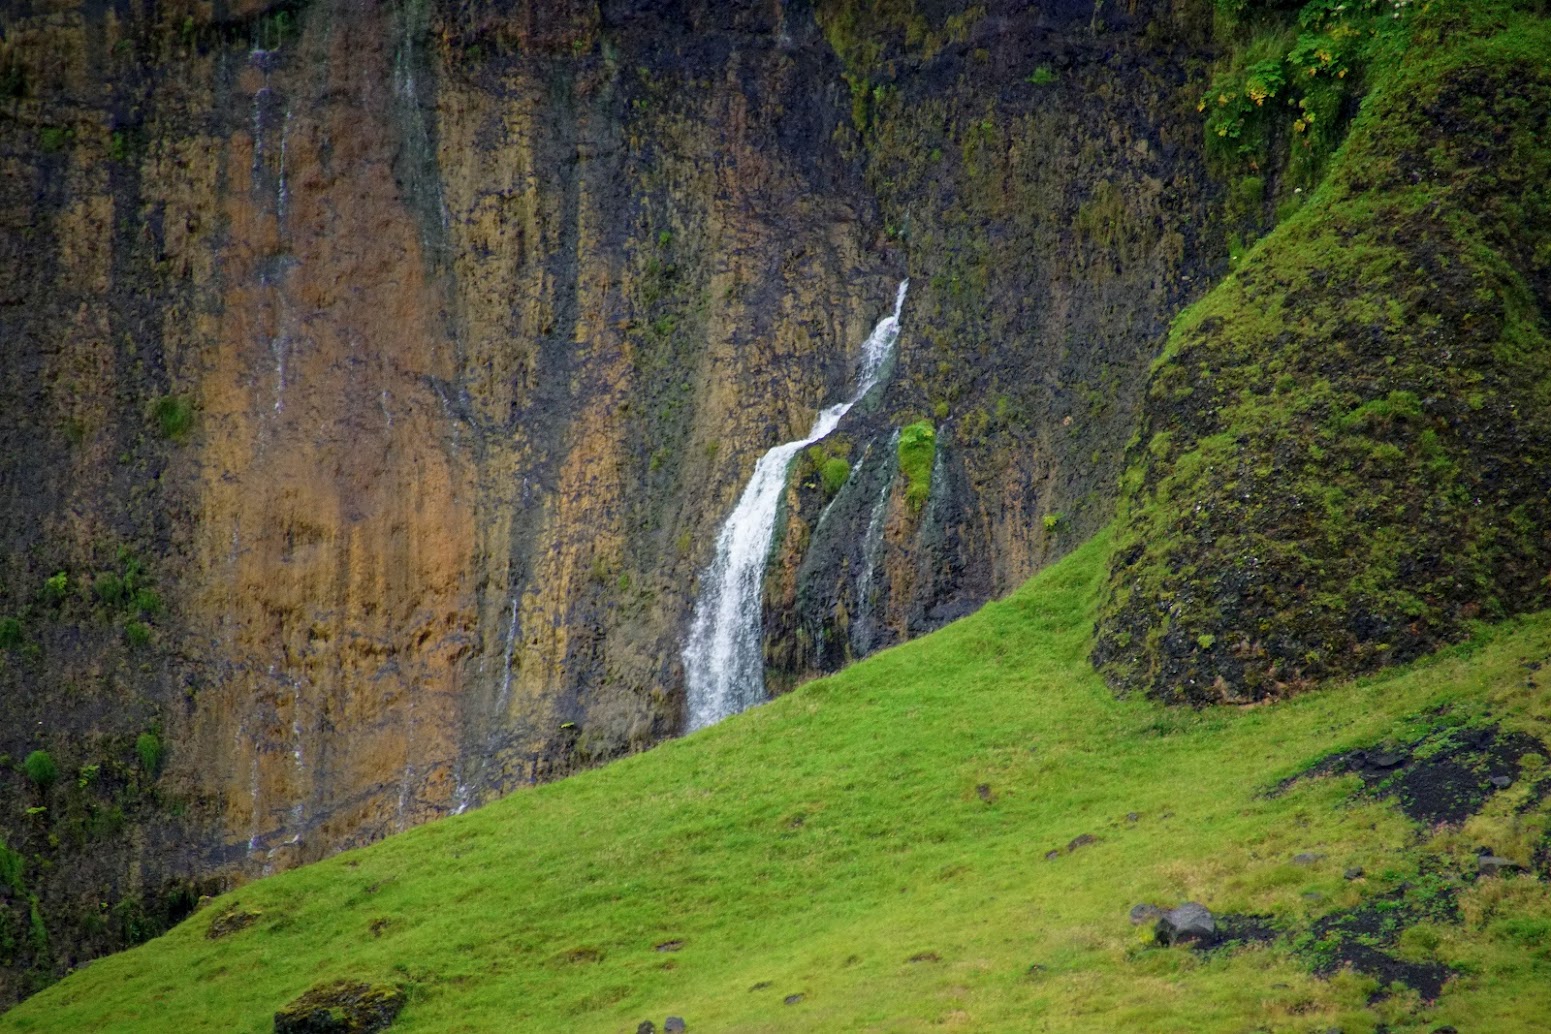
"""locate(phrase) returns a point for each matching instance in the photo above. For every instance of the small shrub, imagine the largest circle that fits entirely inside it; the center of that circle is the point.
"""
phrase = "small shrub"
(13, 866)
(54, 138)
(55, 588)
(10, 633)
(138, 633)
(40, 768)
(151, 752)
(1052, 523)
(109, 588)
(1044, 75)
(833, 474)
(147, 602)
(174, 416)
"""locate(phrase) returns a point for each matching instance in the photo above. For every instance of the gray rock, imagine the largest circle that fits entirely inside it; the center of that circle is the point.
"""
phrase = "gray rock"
(792, 999)
(1132, 816)
(1354, 873)
(1082, 841)
(1387, 760)
(1493, 865)
(1190, 923)
(1307, 858)
(646, 1027)
(674, 1025)
(1145, 913)
(1502, 782)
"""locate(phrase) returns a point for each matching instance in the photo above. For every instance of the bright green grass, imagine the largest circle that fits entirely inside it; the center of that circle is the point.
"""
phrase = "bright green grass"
(819, 842)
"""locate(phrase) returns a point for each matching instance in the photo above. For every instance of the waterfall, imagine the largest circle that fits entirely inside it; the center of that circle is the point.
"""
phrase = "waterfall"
(864, 623)
(723, 666)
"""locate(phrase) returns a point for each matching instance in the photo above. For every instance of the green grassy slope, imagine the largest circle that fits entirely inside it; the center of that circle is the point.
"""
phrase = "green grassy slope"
(816, 845)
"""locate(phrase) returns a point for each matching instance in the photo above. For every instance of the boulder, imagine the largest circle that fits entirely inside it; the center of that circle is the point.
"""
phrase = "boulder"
(1494, 865)
(1145, 913)
(674, 1025)
(1190, 923)
(341, 1007)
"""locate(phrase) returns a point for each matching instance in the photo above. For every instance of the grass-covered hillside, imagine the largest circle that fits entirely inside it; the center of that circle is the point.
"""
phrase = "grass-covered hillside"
(950, 835)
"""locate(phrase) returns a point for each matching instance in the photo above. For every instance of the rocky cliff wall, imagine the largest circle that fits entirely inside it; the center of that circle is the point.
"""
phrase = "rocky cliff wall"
(377, 377)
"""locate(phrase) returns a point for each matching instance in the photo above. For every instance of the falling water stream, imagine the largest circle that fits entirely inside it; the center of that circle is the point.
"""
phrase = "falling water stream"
(723, 667)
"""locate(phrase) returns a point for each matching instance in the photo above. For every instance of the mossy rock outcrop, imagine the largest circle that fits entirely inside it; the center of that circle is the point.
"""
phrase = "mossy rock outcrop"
(1345, 455)
(341, 1007)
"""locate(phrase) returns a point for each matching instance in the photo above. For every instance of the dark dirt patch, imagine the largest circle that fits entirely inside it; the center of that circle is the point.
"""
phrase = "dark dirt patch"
(230, 920)
(1359, 938)
(1235, 931)
(1445, 777)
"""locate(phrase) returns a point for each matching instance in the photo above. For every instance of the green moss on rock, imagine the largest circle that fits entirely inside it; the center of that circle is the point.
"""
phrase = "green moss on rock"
(1345, 455)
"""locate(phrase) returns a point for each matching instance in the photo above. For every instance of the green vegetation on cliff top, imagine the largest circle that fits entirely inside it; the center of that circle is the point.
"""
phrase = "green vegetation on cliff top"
(880, 843)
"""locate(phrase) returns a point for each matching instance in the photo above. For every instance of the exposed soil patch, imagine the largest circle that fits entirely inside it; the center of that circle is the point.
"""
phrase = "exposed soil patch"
(1359, 938)
(1445, 777)
(1235, 931)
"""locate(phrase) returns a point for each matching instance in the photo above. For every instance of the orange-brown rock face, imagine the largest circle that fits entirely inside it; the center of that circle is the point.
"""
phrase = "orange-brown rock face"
(334, 535)
(378, 375)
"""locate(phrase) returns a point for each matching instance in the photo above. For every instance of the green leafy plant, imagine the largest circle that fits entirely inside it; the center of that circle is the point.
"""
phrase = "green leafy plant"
(1044, 75)
(138, 633)
(11, 635)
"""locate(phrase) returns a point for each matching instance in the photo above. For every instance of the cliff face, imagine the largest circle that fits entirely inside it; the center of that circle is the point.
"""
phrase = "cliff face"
(377, 377)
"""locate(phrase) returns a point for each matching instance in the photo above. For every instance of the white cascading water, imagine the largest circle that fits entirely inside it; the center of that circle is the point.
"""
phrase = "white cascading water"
(862, 623)
(723, 666)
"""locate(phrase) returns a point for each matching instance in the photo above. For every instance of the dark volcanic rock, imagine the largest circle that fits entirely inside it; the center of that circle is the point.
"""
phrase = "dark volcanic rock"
(1190, 923)
(1142, 914)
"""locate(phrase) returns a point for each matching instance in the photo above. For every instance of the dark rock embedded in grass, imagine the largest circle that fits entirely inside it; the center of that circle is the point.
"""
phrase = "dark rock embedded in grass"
(674, 1025)
(792, 999)
(1493, 865)
(1190, 923)
(668, 946)
(231, 919)
(646, 1027)
(341, 1007)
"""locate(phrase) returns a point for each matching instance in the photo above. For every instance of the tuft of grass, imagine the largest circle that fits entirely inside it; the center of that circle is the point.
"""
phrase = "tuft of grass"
(151, 752)
(934, 803)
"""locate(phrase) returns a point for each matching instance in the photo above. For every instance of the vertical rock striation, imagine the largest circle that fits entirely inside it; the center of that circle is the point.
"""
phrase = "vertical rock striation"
(377, 377)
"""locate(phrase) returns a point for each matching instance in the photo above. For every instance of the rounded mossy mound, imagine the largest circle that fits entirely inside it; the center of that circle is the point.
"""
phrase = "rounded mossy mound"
(1345, 452)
